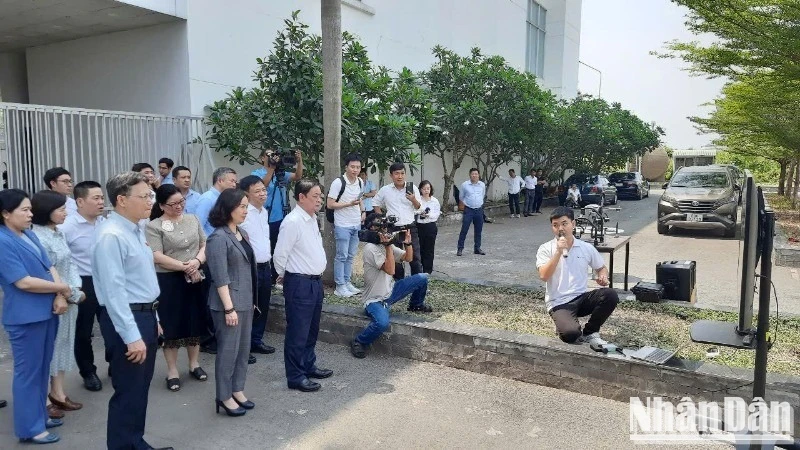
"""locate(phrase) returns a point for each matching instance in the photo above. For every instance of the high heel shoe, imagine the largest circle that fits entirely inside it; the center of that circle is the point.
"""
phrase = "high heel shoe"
(231, 412)
(247, 404)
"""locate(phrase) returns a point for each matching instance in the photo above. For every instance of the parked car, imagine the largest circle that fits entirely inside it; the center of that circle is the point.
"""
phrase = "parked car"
(700, 197)
(631, 184)
(594, 189)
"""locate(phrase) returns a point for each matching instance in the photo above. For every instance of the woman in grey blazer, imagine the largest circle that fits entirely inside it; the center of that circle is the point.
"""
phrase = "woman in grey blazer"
(231, 265)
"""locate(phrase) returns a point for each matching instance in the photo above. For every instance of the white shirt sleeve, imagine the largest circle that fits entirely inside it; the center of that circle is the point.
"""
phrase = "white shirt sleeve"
(544, 254)
(378, 199)
(436, 209)
(597, 262)
(336, 186)
(287, 238)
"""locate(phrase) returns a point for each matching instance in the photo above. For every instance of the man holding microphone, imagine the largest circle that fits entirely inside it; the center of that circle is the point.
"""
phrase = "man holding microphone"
(563, 264)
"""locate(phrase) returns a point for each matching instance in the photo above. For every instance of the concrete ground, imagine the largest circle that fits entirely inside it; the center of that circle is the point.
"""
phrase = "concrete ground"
(511, 244)
(378, 402)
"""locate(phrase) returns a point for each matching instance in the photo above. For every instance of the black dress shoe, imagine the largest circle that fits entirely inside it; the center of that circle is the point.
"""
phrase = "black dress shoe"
(3, 403)
(251, 359)
(238, 412)
(247, 404)
(320, 373)
(357, 349)
(92, 382)
(479, 252)
(262, 348)
(459, 252)
(420, 308)
(306, 386)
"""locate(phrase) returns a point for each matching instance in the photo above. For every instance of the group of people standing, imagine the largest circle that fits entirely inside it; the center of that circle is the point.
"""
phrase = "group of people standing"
(532, 187)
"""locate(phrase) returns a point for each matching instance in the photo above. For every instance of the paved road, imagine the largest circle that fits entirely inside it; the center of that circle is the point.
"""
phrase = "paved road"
(511, 246)
(378, 402)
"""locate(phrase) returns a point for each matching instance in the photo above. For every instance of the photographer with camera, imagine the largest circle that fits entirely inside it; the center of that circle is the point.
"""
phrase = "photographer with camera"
(402, 200)
(344, 199)
(275, 177)
(380, 254)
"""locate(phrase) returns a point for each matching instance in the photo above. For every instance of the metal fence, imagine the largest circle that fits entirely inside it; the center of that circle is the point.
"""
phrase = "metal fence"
(96, 144)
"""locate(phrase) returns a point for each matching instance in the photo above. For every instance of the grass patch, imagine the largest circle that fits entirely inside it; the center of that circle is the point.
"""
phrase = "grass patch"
(633, 324)
(788, 219)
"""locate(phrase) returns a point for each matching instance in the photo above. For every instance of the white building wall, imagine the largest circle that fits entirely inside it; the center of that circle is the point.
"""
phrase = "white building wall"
(142, 70)
(13, 78)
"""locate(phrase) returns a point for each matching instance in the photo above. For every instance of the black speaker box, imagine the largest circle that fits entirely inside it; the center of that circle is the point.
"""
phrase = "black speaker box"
(678, 279)
(648, 292)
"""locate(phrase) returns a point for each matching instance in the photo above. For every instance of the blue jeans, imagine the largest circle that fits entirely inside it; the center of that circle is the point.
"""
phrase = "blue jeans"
(346, 249)
(416, 285)
(472, 216)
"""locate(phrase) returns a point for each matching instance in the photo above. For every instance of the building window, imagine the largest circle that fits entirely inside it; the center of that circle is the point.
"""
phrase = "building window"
(537, 18)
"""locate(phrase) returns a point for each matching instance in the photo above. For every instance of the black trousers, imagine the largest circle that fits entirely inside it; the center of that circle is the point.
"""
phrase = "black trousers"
(529, 200)
(537, 201)
(127, 408)
(513, 203)
(303, 310)
(84, 324)
(263, 294)
(598, 304)
(416, 262)
(427, 244)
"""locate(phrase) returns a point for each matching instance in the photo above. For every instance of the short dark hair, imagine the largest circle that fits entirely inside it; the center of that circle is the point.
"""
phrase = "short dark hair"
(363, 170)
(170, 163)
(82, 189)
(221, 172)
(423, 183)
(163, 193)
(178, 169)
(247, 182)
(44, 203)
(52, 175)
(562, 211)
(138, 167)
(10, 199)
(352, 157)
(221, 212)
(397, 166)
(474, 169)
(512, 170)
(303, 186)
(121, 184)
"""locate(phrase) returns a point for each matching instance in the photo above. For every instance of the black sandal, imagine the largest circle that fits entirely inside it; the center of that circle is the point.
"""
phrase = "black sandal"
(199, 374)
(174, 384)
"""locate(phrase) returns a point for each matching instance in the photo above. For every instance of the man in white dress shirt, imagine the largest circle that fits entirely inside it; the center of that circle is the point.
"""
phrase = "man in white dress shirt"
(60, 180)
(401, 200)
(79, 230)
(299, 260)
(530, 193)
(256, 224)
(515, 183)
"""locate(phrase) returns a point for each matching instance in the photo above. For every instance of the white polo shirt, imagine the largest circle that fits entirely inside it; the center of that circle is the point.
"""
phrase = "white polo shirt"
(530, 182)
(349, 216)
(256, 224)
(299, 248)
(393, 201)
(571, 276)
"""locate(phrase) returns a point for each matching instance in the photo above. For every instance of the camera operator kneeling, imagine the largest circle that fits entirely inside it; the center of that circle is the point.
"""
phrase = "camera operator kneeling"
(380, 289)
(563, 263)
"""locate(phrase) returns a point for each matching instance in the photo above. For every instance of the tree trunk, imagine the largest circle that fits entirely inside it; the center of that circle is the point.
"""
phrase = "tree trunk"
(331, 109)
(796, 183)
(782, 177)
(790, 179)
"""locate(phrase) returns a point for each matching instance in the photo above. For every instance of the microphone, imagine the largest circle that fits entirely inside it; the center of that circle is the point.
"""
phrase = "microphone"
(564, 252)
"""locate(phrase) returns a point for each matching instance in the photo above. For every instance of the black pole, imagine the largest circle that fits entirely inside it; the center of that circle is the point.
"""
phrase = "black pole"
(764, 294)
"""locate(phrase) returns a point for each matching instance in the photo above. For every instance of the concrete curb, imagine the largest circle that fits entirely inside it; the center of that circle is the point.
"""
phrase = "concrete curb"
(543, 361)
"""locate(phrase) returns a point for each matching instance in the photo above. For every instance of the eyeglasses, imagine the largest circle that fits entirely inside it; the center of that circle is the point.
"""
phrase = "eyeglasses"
(176, 204)
(146, 197)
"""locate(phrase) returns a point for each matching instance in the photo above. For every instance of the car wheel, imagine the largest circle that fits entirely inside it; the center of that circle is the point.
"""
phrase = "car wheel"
(639, 195)
(662, 229)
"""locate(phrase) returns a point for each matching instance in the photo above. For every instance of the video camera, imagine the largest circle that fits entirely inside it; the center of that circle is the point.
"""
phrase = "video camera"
(282, 157)
(376, 224)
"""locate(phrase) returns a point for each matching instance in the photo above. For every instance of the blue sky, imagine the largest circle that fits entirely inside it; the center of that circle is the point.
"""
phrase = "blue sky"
(617, 37)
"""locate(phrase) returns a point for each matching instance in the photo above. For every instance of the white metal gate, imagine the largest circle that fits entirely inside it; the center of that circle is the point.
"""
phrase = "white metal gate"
(96, 144)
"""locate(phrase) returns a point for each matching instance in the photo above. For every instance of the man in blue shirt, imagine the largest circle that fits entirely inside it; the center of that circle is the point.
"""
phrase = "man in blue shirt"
(369, 190)
(126, 287)
(165, 171)
(277, 203)
(471, 195)
(223, 178)
(182, 179)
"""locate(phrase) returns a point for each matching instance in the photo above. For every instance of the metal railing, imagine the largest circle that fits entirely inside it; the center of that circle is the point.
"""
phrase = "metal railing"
(96, 144)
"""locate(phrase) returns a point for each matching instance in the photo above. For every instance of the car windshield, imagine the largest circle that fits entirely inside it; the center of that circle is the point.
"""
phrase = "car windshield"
(700, 179)
(580, 179)
(620, 176)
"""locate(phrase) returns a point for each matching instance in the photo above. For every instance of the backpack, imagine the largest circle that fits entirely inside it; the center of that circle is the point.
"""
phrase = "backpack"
(329, 211)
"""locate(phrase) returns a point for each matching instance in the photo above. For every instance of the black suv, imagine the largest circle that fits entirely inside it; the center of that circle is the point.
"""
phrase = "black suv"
(630, 184)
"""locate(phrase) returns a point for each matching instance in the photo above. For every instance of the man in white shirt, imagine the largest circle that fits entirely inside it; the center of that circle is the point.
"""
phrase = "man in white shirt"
(530, 193)
(471, 194)
(515, 183)
(344, 198)
(60, 180)
(401, 200)
(79, 231)
(380, 289)
(299, 260)
(573, 196)
(563, 264)
(256, 224)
